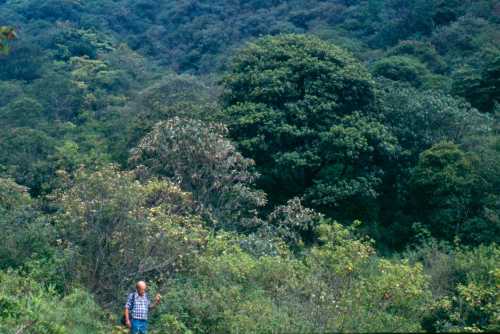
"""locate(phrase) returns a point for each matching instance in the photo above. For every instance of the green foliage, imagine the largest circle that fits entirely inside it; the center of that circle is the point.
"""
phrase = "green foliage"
(70, 42)
(30, 237)
(61, 97)
(444, 179)
(169, 324)
(480, 88)
(118, 229)
(203, 35)
(30, 307)
(9, 91)
(28, 148)
(340, 286)
(173, 95)
(425, 52)
(51, 9)
(448, 192)
(84, 82)
(464, 284)
(233, 291)
(295, 223)
(12, 196)
(344, 181)
(298, 69)
(303, 110)
(24, 62)
(206, 164)
(402, 68)
(476, 303)
(394, 20)
(420, 119)
(463, 37)
(23, 111)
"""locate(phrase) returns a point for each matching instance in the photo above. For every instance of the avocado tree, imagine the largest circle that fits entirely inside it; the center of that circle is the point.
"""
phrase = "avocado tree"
(304, 110)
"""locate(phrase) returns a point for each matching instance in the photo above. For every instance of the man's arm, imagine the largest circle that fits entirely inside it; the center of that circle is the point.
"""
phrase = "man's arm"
(157, 301)
(127, 310)
(127, 317)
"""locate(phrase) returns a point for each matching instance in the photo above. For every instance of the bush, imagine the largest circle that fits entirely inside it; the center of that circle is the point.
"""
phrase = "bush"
(118, 230)
(464, 282)
(29, 307)
(339, 286)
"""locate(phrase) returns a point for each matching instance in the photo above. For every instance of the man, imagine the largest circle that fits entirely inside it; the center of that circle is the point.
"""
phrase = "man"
(137, 308)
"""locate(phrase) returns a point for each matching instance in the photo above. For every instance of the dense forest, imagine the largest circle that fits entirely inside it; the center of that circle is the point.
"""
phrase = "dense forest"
(268, 166)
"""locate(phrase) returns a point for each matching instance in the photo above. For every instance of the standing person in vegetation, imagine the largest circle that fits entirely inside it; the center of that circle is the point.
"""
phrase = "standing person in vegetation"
(137, 308)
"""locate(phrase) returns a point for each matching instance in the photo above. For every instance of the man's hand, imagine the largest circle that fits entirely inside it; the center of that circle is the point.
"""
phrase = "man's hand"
(127, 317)
(157, 301)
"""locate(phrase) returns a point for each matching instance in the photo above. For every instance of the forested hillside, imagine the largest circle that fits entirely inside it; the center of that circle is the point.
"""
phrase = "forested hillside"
(268, 166)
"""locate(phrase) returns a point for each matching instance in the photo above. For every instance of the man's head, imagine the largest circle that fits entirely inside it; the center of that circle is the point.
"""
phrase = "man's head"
(141, 287)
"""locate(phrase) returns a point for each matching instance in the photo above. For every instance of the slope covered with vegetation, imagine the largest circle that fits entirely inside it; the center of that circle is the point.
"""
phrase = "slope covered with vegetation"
(268, 166)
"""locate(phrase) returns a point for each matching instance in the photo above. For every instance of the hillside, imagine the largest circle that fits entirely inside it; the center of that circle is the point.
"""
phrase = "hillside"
(268, 166)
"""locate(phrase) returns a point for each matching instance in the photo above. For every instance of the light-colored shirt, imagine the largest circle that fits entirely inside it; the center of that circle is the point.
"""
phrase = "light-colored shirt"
(138, 308)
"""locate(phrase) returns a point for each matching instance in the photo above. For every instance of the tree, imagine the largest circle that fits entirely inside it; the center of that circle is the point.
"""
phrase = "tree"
(9, 91)
(52, 10)
(403, 19)
(23, 111)
(359, 291)
(480, 87)
(449, 195)
(294, 218)
(198, 156)
(23, 62)
(419, 119)
(118, 230)
(402, 68)
(30, 237)
(304, 110)
(425, 52)
(173, 95)
(422, 118)
(339, 285)
(23, 153)
(60, 96)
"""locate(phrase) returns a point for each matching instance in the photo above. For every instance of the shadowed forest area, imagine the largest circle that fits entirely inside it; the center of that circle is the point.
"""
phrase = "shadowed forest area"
(268, 166)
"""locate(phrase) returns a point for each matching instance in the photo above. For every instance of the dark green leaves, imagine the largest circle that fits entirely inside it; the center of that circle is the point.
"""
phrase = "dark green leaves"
(302, 108)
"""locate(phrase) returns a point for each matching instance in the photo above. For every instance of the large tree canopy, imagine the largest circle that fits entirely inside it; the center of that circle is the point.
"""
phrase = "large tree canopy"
(304, 110)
